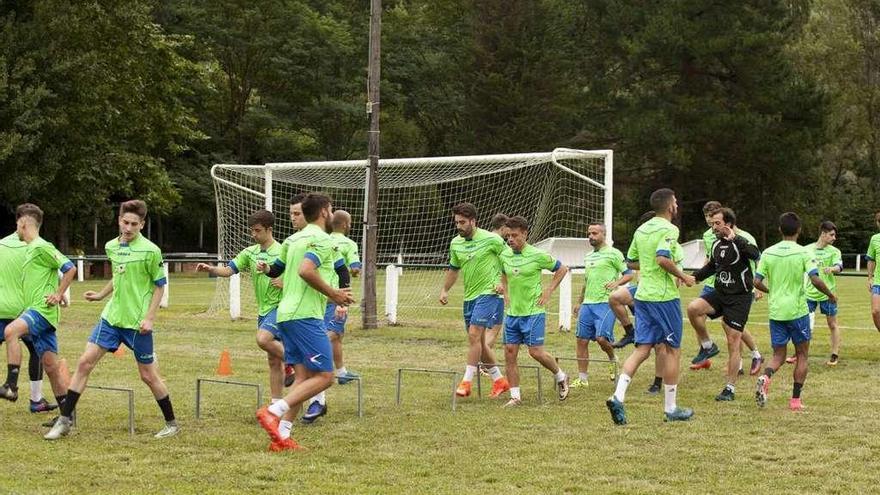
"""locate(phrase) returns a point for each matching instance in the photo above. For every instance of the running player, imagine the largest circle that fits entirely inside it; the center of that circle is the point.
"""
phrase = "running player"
(829, 261)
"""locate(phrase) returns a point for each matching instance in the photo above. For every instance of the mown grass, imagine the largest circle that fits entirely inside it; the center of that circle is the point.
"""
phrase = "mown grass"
(423, 447)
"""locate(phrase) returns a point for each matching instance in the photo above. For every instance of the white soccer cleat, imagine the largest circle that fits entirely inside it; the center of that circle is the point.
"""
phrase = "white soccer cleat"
(169, 430)
(60, 429)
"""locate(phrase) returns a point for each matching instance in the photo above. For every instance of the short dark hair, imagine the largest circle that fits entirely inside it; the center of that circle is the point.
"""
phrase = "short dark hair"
(312, 205)
(600, 224)
(135, 206)
(661, 198)
(466, 210)
(30, 210)
(711, 208)
(518, 223)
(262, 217)
(647, 216)
(727, 215)
(877, 216)
(789, 223)
(498, 221)
(828, 226)
(298, 198)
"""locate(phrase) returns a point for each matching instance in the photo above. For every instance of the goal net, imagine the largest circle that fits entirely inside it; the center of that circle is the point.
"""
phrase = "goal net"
(559, 192)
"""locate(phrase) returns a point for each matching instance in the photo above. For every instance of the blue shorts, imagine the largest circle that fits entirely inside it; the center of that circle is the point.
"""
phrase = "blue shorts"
(331, 324)
(707, 289)
(659, 323)
(797, 331)
(826, 307)
(875, 290)
(3, 323)
(267, 322)
(594, 321)
(109, 337)
(483, 311)
(42, 332)
(632, 291)
(528, 330)
(306, 342)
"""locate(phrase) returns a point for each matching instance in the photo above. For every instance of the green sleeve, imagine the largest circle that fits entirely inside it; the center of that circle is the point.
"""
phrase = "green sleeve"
(547, 261)
(667, 242)
(51, 257)
(619, 263)
(453, 257)
(243, 261)
(633, 253)
(353, 256)
(872, 249)
(838, 258)
(157, 270)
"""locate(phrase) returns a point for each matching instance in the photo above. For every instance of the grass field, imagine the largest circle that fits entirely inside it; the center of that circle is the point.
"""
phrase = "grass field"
(423, 447)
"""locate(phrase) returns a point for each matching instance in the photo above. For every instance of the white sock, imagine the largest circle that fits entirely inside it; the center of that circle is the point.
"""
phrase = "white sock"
(341, 371)
(279, 408)
(560, 375)
(284, 429)
(321, 398)
(514, 393)
(622, 385)
(496, 373)
(36, 390)
(731, 387)
(274, 400)
(669, 404)
(584, 376)
(756, 354)
(812, 320)
(706, 344)
(740, 364)
(469, 372)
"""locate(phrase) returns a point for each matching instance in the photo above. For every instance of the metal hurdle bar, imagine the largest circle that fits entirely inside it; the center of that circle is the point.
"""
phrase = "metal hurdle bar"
(226, 382)
(526, 366)
(128, 391)
(360, 398)
(453, 375)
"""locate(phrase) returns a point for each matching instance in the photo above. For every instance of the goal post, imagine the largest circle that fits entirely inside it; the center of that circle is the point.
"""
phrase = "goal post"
(559, 192)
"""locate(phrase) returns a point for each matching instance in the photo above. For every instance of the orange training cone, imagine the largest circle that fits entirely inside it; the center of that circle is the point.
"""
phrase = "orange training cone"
(225, 366)
(119, 352)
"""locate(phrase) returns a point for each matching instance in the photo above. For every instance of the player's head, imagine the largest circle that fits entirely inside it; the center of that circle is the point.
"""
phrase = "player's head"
(723, 217)
(296, 212)
(827, 232)
(465, 217)
(596, 234)
(499, 224)
(317, 207)
(646, 216)
(341, 221)
(789, 224)
(132, 217)
(28, 217)
(709, 210)
(517, 232)
(663, 202)
(877, 219)
(261, 223)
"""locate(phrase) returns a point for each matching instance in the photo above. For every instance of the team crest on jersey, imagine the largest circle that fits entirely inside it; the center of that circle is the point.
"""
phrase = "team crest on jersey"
(120, 268)
(516, 271)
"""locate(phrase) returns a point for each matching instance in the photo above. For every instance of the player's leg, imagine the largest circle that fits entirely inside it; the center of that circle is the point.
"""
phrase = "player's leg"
(830, 311)
(800, 337)
(275, 359)
(668, 315)
(142, 348)
(536, 325)
(586, 331)
(38, 403)
(779, 337)
(875, 306)
(628, 370)
(490, 336)
(84, 366)
(656, 385)
(14, 331)
(734, 344)
(604, 319)
(621, 302)
(483, 316)
(748, 341)
(698, 310)
(334, 323)
(511, 353)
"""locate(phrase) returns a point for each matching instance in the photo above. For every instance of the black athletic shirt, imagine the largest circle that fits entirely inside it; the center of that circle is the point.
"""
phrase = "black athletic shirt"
(729, 262)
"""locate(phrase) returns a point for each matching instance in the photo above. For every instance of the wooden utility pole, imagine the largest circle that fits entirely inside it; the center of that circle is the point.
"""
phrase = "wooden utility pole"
(371, 192)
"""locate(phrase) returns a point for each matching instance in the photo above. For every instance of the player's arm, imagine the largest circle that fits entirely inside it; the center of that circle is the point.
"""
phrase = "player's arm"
(625, 277)
(672, 268)
(354, 261)
(308, 271)
(68, 271)
(147, 322)
(871, 266)
(91, 295)
(559, 271)
(217, 271)
(706, 271)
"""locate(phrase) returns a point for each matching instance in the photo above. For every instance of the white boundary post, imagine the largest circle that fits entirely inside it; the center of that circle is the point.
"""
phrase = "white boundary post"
(164, 302)
(609, 196)
(391, 285)
(267, 188)
(565, 302)
(80, 275)
(858, 262)
(235, 296)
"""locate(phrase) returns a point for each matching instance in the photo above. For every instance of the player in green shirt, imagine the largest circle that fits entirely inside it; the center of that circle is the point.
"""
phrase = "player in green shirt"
(522, 268)
(604, 271)
(781, 274)
(267, 250)
(699, 310)
(335, 316)
(308, 259)
(498, 226)
(874, 273)
(43, 296)
(654, 250)
(12, 304)
(137, 286)
(475, 253)
(829, 261)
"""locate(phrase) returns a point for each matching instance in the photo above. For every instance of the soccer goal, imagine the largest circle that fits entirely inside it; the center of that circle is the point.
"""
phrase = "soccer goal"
(559, 192)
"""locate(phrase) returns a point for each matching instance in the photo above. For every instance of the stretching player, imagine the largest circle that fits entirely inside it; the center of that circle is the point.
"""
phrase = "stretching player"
(475, 253)
(829, 261)
(522, 266)
(137, 287)
(784, 266)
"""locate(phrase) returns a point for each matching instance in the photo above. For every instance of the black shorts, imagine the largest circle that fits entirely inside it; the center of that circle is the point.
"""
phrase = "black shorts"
(733, 310)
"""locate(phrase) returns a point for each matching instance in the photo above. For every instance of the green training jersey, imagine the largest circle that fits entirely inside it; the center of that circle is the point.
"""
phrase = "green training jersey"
(299, 300)
(348, 251)
(709, 239)
(267, 294)
(873, 253)
(783, 266)
(137, 271)
(601, 267)
(523, 271)
(40, 277)
(656, 237)
(826, 257)
(477, 259)
(12, 256)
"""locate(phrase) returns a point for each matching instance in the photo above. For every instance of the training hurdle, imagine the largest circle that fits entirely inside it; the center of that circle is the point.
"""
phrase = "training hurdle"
(525, 366)
(592, 360)
(199, 382)
(128, 391)
(452, 374)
